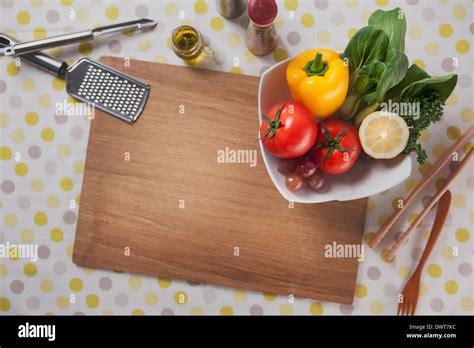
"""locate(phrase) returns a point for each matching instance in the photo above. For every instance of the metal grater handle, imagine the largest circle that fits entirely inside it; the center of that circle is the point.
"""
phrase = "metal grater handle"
(41, 60)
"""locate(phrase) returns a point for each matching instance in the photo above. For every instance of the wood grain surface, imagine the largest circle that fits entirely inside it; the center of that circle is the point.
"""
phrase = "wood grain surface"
(157, 188)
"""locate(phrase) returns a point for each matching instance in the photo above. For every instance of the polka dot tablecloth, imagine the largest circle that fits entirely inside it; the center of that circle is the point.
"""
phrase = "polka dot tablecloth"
(42, 158)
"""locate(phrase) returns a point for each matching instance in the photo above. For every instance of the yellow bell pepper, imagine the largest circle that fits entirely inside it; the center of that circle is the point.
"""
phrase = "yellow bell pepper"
(318, 79)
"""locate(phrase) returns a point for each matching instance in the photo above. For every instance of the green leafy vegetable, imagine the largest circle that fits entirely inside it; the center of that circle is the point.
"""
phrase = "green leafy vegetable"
(394, 24)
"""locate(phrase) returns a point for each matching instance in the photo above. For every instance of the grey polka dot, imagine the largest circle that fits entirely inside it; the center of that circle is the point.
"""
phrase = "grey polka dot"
(390, 290)
(294, 38)
(471, 28)
(193, 283)
(244, 21)
(416, 253)
(428, 14)
(77, 132)
(121, 299)
(465, 81)
(321, 4)
(141, 11)
(167, 311)
(24, 202)
(337, 18)
(33, 303)
(60, 119)
(437, 305)
(16, 102)
(209, 296)
(263, 69)
(448, 64)
(78, 313)
(399, 235)
(425, 201)
(43, 252)
(3, 86)
(6, 4)
(412, 2)
(206, 40)
(470, 183)
(52, 16)
(114, 46)
(50, 167)
(105, 283)
(34, 151)
(465, 269)
(346, 309)
(8, 186)
(17, 287)
(69, 217)
(219, 57)
(373, 273)
(256, 310)
(59, 268)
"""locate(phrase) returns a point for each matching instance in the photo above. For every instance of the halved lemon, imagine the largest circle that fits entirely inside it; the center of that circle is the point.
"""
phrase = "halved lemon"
(383, 135)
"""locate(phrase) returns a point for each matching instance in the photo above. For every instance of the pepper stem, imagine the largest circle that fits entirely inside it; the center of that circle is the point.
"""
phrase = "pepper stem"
(317, 66)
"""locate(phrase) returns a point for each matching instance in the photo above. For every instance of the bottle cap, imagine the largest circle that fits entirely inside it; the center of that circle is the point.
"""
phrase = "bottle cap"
(262, 12)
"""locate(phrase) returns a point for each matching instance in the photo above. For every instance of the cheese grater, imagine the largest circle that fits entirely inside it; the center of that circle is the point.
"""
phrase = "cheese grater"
(96, 84)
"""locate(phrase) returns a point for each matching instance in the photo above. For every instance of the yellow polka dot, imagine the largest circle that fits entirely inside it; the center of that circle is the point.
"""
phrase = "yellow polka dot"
(39, 33)
(462, 235)
(431, 48)
(383, 253)
(10, 220)
(37, 3)
(425, 136)
(445, 30)
(360, 290)
(85, 48)
(269, 297)
(439, 183)
(307, 20)
(403, 272)
(30, 269)
(23, 18)
(62, 302)
(291, 5)
(420, 63)
(200, 7)
(467, 304)
(151, 299)
(434, 270)
(28, 85)
(351, 32)
(236, 70)
(370, 205)
(75, 284)
(82, 14)
(78, 166)
(425, 168)
(226, 310)
(4, 120)
(66, 184)
(382, 219)
(240, 295)
(412, 217)
(180, 297)
(451, 287)
(3, 271)
(78, 198)
(58, 84)
(138, 312)
(233, 40)
(171, 9)
(31, 118)
(64, 150)
(37, 185)
(18, 136)
(53, 201)
(217, 23)
(45, 101)
(5, 153)
(368, 237)
(287, 309)
(447, 252)
(415, 32)
(471, 217)
(454, 133)
(376, 307)
(47, 135)
(27, 236)
(467, 147)
(279, 55)
(56, 234)
(249, 58)
(324, 36)
(467, 115)
(459, 201)
(164, 283)
(462, 46)
(67, 2)
(381, 3)
(112, 13)
(46, 286)
(196, 311)
(135, 282)
(40, 218)
(397, 203)
(4, 304)
(13, 69)
(316, 309)
(92, 301)
(423, 289)
(21, 169)
(459, 12)
(439, 150)
(144, 45)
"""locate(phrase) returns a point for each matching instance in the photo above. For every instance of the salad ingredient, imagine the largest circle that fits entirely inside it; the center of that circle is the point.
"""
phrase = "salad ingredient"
(294, 182)
(315, 181)
(261, 37)
(383, 135)
(289, 130)
(287, 165)
(319, 79)
(187, 42)
(306, 168)
(337, 147)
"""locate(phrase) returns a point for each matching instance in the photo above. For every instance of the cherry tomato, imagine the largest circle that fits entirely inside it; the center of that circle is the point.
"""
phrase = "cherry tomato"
(289, 130)
(294, 182)
(337, 147)
(305, 168)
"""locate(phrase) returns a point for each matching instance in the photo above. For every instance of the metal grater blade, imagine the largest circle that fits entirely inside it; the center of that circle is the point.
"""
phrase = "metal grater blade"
(107, 89)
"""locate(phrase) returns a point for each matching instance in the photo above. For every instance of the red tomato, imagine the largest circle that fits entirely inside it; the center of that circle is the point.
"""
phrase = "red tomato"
(337, 147)
(289, 130)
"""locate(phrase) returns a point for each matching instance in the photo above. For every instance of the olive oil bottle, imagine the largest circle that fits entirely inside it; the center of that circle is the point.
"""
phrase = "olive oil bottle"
(188, 44)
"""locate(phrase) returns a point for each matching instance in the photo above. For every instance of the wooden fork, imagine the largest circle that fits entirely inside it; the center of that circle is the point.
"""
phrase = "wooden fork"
(412, 288)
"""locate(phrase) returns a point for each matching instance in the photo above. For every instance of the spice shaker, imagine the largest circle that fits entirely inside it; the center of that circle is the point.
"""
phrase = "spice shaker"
(231, 9)
(261, 36)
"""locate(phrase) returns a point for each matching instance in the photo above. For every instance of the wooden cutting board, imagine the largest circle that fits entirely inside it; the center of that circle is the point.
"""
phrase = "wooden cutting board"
(156, 201)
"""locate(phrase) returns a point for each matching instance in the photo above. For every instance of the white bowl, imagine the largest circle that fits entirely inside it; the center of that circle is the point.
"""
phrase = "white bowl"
(366, 178)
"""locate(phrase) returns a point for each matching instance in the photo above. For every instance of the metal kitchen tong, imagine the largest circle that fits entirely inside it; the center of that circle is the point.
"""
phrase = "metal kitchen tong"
(91, 82)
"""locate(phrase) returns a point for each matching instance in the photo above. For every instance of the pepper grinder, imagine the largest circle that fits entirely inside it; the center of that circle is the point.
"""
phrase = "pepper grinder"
(231, 9)
(261, 36)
